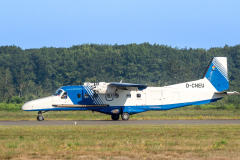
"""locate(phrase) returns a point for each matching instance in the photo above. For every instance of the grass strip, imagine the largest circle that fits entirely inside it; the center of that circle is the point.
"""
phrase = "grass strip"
(120, 142)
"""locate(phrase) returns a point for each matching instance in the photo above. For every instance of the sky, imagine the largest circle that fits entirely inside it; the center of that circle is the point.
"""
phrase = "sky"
(64, 23)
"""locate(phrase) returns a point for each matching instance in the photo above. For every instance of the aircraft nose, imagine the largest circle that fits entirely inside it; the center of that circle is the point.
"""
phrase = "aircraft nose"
(24, 107)
(42, 103)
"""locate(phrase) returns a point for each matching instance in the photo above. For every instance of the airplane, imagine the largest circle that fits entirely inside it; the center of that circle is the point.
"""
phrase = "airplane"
(126, 99)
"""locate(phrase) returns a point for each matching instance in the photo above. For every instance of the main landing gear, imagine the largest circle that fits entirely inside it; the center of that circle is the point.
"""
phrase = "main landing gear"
(125, 116)
(40, 117)
(115, 117)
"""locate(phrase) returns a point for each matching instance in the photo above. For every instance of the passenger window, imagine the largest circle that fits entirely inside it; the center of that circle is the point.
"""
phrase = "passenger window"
(79, 95)
(128, 95)
(138, 95)
(86, 95)
(109, 95)
(64, 96)
(116, 95)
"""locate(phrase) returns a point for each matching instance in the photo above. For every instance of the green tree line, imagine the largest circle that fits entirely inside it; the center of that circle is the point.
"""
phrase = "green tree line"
(33, 73)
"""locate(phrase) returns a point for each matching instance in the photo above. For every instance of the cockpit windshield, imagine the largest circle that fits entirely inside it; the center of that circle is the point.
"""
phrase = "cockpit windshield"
(58, 92)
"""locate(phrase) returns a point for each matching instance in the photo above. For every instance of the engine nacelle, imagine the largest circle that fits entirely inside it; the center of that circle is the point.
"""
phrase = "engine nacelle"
(103, 88)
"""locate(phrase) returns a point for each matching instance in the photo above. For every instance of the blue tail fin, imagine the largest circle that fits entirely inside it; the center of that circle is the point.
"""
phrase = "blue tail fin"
(217, 74)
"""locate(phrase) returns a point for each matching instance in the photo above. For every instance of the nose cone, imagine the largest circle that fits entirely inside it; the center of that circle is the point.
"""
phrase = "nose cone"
(25, 106)
(38, 104)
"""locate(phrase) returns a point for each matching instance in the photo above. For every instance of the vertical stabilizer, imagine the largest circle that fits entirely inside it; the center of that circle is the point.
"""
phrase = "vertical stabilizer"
(217, 74)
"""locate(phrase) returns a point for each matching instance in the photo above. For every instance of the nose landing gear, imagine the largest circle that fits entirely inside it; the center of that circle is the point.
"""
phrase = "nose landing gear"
(40, 117)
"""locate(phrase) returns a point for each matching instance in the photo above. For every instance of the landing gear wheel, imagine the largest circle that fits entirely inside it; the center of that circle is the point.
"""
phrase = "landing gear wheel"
(125, 116)
(40, 118)
(115, 117)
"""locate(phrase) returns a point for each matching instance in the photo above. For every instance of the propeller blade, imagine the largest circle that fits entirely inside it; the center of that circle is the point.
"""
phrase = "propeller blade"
(93, 88)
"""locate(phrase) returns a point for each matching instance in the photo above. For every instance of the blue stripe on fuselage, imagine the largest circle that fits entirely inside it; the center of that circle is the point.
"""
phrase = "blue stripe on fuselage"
(73, 92)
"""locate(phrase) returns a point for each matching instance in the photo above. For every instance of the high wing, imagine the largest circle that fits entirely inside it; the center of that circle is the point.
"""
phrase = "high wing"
(110, 88)
(126, 86)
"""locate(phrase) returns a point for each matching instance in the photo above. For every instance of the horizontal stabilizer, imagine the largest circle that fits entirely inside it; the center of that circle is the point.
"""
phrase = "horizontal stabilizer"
(228, 93)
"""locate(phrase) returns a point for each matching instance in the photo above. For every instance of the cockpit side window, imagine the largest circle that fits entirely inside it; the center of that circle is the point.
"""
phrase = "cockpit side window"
(64, 96)
(58, 93)
(86, 95)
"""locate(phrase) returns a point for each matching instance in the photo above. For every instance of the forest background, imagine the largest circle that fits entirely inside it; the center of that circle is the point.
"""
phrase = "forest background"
(33, 73)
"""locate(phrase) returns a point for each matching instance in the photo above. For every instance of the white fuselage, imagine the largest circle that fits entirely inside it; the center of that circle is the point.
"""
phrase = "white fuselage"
(194, 91)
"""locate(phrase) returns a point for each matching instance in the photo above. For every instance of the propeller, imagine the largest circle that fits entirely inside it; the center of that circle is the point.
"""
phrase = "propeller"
(94, 85)
(93, 88)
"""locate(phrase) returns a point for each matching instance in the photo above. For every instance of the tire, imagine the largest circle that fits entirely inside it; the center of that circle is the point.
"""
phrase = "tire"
(115, 117)
(40, 118)
(125, 116)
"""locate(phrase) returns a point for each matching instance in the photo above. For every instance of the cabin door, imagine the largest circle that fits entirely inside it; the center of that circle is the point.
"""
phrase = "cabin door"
(153, 98)
(176, 97)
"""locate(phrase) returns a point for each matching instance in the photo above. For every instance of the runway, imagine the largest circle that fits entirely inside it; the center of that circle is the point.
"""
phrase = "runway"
(120, 122)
